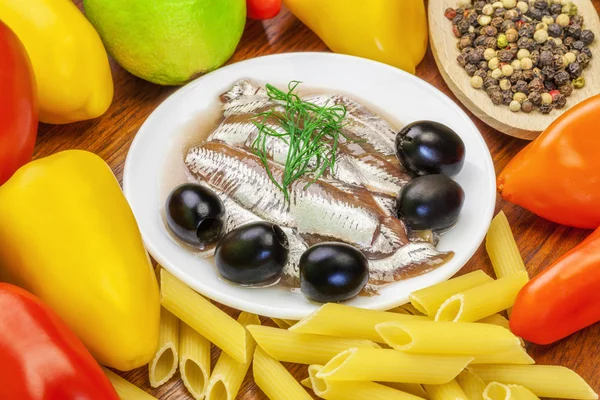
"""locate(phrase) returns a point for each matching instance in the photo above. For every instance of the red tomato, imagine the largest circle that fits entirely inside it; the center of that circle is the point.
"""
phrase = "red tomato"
(18, 104)
(263, 9)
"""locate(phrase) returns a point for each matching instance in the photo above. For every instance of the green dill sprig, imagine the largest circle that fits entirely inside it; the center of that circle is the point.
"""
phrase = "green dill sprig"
(311, 132)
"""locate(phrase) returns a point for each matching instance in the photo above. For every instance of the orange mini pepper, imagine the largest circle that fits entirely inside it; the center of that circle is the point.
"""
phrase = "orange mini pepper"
(557, 176)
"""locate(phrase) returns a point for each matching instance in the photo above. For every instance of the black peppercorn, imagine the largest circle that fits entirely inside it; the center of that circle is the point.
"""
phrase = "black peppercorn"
(537, 73)
(536, 85)
(559, 101)
(478, 6)
(568, 41)
(516, 76)
(490, 43)
(541, 4)
(507, 97)
(521, 86)
(555, 9)
(574, 30)
(489, 81)
(471, 17)
(513, 15)
(480, 40)
(462, 59)
(458, 18)
(481, 73)
(499, 12)
(587, 52)
(535, 14)
(587, 37)
(566, 89)
(496, 97)
(546, 58)
(561, 77)
(460, 11)
(463, 26)
(527, 75)
(471, 68)
(555, 30)
(546, 108)
(574, 69)
(505, 55)
(483, 65)
(527, 31)
(558, 62)
(535, 98)
(506, 25)
(527, 107)
(476, 55)
(548, 72)
(583, 60)
(577, 19)
(489, 31)
(465, 41)
(549, 85)
(497, 22)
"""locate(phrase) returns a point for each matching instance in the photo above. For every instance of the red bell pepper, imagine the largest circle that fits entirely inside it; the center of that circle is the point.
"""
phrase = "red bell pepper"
(18, 105)
(563, 299)
(40, 358)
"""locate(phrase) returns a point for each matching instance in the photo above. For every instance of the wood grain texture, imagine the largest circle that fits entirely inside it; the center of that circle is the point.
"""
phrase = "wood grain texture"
(521, 125)
(540, 241)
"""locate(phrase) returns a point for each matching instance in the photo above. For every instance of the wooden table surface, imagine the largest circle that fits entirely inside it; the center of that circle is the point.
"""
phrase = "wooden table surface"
(541, 242)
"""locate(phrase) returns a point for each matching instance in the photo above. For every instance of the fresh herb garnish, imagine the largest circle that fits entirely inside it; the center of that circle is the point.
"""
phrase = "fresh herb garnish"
(312, 133)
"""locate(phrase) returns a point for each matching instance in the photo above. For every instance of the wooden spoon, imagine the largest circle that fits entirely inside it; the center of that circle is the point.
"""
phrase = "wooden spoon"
(520, 124)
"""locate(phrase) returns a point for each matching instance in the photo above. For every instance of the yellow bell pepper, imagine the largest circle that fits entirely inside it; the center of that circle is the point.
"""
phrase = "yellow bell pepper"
(70, 63)
(390, 31)
(68, 235)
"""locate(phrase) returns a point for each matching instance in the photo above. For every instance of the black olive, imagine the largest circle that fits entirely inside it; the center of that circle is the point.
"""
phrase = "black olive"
(332, 272)
(252, 254)
(430, 202)
(428, 147)
(195, 214)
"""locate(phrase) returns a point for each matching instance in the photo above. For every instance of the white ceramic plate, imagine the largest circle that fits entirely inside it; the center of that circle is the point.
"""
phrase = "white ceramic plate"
(397, 93)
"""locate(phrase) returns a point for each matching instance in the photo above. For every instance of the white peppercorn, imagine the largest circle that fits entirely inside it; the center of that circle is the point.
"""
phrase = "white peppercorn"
(547, 19)
(484, 20)
(488, 54)
(514, 106)
(464, 3)
(520, 97)
(493, 63)
(546, 98)
(540, 36)
(563, 20)
(507, 70)
(488, 9)
(526, 63)
(504, 84)
(523, 7)
(557, 41)
(571, 57)
(508, 4)
(523, 53)
(476, 81)
(565, 2)
(497, 4)
(516, 64)
(497, 73)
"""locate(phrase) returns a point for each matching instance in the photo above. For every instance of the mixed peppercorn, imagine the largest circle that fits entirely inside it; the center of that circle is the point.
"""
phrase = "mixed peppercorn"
(525, 54)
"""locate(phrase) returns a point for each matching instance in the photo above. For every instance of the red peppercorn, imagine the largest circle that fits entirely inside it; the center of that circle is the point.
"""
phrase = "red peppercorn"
(456, 31)
(450, 13)
(519, 24)
(554, 94)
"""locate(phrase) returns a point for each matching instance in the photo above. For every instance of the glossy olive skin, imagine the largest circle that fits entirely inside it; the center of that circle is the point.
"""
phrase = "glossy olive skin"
(428, 147)
(195, 214)
(252, 254)
(430, 202)
(332, 272)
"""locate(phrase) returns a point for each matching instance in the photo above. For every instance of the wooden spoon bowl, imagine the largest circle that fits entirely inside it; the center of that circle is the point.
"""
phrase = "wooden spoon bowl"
(519, 124)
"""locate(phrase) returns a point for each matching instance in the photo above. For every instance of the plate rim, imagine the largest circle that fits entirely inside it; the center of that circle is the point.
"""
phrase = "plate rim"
(273, 310)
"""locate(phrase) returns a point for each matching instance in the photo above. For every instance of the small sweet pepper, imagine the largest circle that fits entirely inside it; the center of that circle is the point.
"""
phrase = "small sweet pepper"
(390, 31)
(557, 175)
(73, 76)
(40, 357)
(68, 235)
(562, 299)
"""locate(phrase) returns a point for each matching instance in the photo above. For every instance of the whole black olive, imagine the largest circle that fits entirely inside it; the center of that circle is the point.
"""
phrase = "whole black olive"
(331, 272)
(195, 214)
(252, 254)
(430, 202)
(428, 147)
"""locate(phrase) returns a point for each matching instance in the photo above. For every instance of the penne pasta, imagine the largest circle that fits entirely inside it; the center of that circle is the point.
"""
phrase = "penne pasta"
(337, 390)
(471, 384)
(164, 364)
(274, 380)
(452, 338)
(499, 391)
(499, 320)
(125, 389)
(194, 361)
(428, 300)
(407, 308)
(302, 348)
(290, 322)
(515, 356)
(482, 301)
(412, 388)
(280, 323)
(446, 391)
(306, 383)
(228, 375)
(385, 365)
(203, 316)
(543, 380)
(345, 321)
(502, 248)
